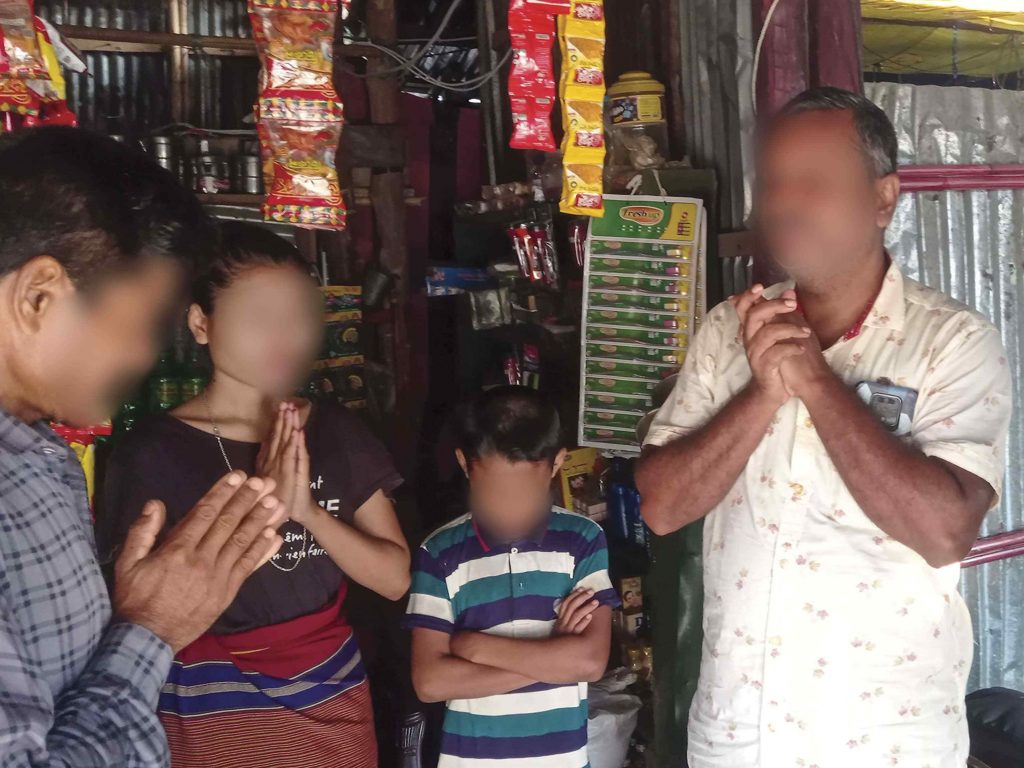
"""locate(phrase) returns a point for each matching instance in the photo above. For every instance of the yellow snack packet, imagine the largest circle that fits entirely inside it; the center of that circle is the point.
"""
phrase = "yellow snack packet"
(583, 182)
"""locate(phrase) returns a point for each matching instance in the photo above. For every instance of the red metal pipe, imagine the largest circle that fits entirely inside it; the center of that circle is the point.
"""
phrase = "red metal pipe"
(992, 548)
(943, 178)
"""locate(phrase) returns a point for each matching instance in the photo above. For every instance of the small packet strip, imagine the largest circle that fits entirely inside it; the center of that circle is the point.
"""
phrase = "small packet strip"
(299, 114)
(581, 37)
(531, 80)
(30, 75)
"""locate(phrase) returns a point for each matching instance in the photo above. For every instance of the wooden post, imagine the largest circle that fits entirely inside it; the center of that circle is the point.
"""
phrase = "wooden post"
(386, 197)
(179, 62)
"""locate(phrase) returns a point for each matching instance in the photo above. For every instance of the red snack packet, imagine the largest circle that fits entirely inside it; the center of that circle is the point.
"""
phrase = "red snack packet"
(295, 39)
(532, 63)
(21, 49)
(300, 141)
(531, 123)
(548, 6)
(17, 97)
(531, 83)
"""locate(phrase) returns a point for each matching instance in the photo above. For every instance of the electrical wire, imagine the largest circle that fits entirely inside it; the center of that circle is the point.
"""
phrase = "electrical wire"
(466, 85)
(757, 51)
(418, 54)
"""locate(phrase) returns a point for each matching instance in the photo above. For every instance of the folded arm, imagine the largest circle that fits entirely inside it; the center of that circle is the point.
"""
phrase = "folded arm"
(437, 675)
(573, 658)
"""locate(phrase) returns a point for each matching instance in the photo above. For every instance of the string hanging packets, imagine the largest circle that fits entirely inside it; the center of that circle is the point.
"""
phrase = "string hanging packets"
(31, 56)
(531, 80)
(299, 114)
(581, 35)
(21, 63)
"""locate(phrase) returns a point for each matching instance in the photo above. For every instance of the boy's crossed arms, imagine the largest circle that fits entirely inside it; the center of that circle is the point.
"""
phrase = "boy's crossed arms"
(470, 665)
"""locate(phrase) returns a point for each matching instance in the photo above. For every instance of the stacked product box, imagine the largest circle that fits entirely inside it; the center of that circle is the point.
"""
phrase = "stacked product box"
(339, 373)
(644, 294)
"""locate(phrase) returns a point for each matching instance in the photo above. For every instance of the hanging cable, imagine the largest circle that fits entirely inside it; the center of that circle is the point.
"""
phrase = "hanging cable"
(757, 51)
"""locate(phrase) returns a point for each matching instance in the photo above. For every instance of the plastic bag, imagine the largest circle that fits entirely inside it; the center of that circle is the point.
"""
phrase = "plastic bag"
(611, 723)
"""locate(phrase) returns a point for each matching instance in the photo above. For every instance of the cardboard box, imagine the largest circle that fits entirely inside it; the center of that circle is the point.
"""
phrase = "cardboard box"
(575, 472)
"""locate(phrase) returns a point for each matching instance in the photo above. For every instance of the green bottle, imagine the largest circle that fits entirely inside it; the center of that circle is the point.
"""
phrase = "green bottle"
(164, 386)
(194, 378)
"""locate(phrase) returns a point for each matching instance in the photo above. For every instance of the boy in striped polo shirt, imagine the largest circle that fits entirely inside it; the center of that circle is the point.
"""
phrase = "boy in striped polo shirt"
(511, 603)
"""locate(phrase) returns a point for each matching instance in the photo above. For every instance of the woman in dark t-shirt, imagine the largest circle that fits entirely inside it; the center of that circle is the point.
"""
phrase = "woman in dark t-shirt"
(279, 679)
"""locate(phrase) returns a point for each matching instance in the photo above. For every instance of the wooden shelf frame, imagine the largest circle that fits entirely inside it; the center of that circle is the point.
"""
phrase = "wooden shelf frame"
(110, 40)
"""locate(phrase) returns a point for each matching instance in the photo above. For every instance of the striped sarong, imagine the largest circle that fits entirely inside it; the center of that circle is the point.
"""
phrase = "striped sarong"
(289, 694)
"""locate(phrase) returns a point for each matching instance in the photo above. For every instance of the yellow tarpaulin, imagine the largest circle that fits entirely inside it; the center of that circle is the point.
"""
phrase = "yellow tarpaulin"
(918, 36)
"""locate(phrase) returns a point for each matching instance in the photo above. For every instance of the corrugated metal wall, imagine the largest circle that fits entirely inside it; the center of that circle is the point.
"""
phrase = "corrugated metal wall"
(971, 245)
(716, 47)
(129, 93)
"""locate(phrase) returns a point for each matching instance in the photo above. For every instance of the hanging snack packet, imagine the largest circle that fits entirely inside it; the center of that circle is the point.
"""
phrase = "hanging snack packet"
(581, 35)
(17, 97)
(301, 145)
(531, 123)
(21, 49)
(532, 38)
(531, 82)
(583, 183)
(295, 39)
(554, 7)
(582, 118)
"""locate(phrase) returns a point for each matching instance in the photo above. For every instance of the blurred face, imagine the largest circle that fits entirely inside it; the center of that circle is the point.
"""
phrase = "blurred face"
(265, 330)
(818, 206)
(510, 497)
(77, 353)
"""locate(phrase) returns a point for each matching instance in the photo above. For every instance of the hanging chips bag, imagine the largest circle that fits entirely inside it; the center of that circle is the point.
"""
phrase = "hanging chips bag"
(531, 123)
(581, 37)
(299, 115)
(531, 81)
(21, 49)
(295, 39)
(300, 150)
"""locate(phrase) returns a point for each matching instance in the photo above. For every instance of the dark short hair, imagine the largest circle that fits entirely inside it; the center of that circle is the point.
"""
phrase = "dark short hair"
(516, 423)
(242, 246)
(877, 134)
(97, 206)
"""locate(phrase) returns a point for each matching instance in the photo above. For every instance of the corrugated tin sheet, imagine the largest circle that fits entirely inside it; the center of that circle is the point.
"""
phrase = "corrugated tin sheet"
(129, 93)
(971, 245)
(716, 48)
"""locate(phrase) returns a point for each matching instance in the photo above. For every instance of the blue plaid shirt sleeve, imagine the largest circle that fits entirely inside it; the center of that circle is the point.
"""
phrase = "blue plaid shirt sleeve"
(105, 718)
(76, 691)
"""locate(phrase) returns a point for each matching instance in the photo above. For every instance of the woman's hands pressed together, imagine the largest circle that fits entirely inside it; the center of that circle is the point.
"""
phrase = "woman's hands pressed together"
(284, 457)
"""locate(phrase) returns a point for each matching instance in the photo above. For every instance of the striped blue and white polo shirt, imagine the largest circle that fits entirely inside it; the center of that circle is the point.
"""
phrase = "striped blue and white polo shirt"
(463, 582)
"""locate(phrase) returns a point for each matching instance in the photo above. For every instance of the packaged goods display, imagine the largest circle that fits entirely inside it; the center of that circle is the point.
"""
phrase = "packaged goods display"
(581, 37)
(32, 54)
(299, 114)
(339, 374)
(531, 80)
(642, 291)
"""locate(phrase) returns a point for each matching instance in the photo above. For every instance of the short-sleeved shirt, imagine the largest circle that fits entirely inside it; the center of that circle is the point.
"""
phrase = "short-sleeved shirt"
(464, 582)
(827, 642)
(166, 459)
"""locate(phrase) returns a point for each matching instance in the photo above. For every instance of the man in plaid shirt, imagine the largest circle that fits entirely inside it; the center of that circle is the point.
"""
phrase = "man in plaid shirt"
(95, 244)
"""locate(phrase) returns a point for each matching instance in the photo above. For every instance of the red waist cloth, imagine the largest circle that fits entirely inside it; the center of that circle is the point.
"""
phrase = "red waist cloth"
(278, 650)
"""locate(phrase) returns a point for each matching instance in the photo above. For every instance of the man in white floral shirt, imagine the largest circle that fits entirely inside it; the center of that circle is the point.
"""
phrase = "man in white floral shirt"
(834, 635)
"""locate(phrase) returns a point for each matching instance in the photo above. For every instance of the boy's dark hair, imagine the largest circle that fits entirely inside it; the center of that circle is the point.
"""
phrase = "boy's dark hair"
(516, 423)
(242, 246)
(97, 206)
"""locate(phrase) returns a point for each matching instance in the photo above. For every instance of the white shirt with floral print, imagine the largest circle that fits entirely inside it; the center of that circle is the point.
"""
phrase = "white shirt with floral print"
(828, 644)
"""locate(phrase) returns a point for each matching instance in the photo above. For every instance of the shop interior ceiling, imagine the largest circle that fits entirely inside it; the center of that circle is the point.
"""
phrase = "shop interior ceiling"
(129, 92)
(977, 38)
